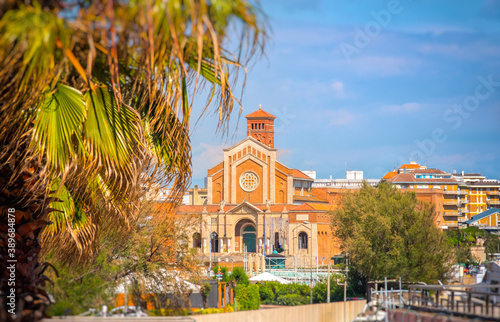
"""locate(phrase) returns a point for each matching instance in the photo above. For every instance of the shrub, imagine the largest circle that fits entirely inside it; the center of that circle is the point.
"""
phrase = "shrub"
(239, 276)
(247, 297)
(292, 299)
(293, 288)
(267, 295)
(205, 291)
(336, 291)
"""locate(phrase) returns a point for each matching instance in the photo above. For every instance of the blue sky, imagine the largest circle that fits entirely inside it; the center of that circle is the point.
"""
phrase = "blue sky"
(368, 85)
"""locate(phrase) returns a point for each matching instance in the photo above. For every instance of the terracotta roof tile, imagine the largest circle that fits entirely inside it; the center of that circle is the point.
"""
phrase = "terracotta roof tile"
(305, 206)
(301, 175)
(312, 207)
(389, 175)
(409, 177)
(310, 198)
(323, 207)
(196, 209)
(428, 171)
(260, 113)
(410, 166)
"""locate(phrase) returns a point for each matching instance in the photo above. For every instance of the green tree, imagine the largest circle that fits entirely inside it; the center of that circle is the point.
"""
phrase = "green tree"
(223, 270)
(145, 258)
(492, 245)
(95, 107)
(284, 294)
(247, 297)
(336, 291)
(239, 276)
(388, 233)
(205, 292)
(467, 238)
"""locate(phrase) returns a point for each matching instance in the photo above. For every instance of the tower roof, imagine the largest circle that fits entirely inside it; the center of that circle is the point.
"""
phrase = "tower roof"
(260, 114)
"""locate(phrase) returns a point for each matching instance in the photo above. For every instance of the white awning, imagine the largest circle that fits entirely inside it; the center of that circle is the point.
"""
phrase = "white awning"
(268, 277)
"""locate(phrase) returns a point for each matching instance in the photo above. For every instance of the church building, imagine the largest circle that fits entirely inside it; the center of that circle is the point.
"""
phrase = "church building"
(256, 204)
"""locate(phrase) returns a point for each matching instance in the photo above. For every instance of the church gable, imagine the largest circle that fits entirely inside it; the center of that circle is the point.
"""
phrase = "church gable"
(245, 208)
(249, 146)
(250, 180)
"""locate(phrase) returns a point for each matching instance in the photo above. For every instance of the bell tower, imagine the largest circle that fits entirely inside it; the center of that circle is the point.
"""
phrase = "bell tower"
(260, 126)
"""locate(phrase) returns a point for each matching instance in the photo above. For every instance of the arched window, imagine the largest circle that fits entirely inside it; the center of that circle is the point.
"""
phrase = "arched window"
(302, 240)
(196, 240)
(214, 240)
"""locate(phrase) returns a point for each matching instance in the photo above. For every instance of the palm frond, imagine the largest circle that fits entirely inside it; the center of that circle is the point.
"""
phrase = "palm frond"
(58, 125)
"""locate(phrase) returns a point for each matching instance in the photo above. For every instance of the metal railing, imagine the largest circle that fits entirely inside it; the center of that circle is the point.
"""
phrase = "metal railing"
(466, 300)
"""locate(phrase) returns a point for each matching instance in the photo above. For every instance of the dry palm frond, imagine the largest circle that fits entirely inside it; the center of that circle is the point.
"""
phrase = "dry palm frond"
(103, 93)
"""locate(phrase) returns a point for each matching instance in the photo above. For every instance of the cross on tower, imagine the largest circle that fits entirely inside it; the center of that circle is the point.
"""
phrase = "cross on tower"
(260, 106)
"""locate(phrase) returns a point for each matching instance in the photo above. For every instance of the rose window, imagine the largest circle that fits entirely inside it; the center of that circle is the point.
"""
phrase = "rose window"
(249, 181)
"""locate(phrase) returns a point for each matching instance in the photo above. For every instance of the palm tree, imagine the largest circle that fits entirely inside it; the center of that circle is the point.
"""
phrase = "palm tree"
(95, 103)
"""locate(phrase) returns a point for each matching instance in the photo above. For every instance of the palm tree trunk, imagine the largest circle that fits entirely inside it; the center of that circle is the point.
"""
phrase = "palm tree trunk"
(23, 212)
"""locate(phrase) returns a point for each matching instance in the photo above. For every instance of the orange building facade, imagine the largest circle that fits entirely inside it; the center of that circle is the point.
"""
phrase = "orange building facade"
(256, 204)
(457, 197)
(253, 203)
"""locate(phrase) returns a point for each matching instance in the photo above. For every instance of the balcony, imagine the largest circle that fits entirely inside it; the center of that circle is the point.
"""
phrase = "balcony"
(454, 192)
(465, 201)
(493, 192)
(493, 202)
(450, 202)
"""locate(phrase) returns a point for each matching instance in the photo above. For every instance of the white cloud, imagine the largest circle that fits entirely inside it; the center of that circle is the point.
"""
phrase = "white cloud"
(338, 88)
(405, 108)
(283, 153)
(206, 156)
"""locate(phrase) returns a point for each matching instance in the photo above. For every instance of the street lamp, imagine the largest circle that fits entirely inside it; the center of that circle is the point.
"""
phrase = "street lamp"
(459, 224)
(310, 251)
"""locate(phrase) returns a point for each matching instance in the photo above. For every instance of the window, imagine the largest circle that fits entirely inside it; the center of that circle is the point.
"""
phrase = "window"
(196, 240)
(249, 181)
(302, 240)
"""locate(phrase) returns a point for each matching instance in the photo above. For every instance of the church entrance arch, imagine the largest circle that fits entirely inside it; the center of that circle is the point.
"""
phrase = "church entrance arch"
(214, 240)
(249, 237)
(246, 235)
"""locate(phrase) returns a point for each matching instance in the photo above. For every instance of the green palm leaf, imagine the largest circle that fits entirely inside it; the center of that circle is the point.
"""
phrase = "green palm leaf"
(58, 124)
(111, 131)
(33, 32)
(69, 219)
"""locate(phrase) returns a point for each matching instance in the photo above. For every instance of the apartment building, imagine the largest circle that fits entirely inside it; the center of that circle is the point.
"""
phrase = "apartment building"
(457, 197)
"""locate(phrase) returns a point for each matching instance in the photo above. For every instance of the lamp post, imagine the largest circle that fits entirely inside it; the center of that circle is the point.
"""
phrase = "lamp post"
(310, 251)
(345, 283)
(210, 263)
(459, 224)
